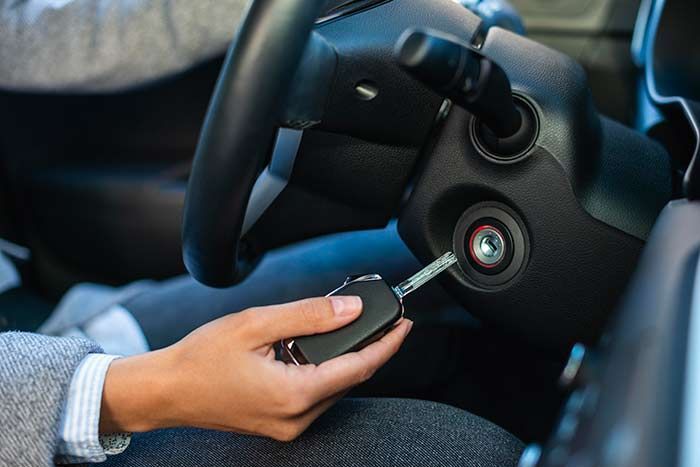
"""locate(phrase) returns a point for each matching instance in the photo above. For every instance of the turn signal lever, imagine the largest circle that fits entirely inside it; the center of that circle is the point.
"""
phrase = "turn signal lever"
(506, 125)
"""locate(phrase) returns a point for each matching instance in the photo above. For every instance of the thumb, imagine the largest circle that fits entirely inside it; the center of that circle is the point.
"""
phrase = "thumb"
(311, 316)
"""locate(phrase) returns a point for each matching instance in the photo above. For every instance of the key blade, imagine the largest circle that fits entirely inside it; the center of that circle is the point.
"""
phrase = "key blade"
(425, 275)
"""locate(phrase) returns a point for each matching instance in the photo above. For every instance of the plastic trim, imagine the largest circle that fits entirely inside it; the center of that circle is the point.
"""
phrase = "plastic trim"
(275, 177)
(691, 182)
(690, 431)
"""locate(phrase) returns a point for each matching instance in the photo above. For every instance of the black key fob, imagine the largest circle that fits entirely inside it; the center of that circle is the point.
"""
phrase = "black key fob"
(381, 310)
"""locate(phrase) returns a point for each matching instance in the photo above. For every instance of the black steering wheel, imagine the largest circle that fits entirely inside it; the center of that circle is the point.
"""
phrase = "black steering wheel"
(521, 164)
(237, 134)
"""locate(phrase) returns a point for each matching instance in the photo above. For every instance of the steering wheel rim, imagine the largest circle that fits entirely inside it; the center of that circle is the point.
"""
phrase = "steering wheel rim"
(237, 134)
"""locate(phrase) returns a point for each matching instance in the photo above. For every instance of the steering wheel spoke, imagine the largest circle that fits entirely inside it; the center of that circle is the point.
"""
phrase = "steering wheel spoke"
(241, 121)
(275, 177)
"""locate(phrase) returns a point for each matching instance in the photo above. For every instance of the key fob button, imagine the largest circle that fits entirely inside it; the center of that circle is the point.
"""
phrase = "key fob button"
(381, 310)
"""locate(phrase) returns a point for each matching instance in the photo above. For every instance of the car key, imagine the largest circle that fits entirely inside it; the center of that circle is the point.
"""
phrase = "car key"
(382, 308)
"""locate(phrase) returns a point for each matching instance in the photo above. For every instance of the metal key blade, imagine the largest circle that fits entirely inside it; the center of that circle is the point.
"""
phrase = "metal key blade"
(425, 275)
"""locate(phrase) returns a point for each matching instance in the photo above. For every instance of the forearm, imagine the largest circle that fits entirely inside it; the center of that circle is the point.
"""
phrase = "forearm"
(224, 375)
(141, 393)
(86, 45)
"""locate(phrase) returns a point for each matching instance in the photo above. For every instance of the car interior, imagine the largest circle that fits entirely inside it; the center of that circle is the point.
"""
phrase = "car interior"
(552, 145)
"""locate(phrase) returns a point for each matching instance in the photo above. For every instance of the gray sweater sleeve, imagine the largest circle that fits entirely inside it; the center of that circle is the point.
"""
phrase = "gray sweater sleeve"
(35, 374)
(107, 45)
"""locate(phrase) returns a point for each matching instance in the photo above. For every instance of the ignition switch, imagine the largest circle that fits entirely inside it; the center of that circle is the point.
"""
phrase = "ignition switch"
(489, 246)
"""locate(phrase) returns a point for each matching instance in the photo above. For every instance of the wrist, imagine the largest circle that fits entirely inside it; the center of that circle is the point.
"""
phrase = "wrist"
(139, 394)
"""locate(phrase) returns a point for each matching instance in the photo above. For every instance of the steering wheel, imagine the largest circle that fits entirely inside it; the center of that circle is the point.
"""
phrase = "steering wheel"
(234, 143)
(486, 144)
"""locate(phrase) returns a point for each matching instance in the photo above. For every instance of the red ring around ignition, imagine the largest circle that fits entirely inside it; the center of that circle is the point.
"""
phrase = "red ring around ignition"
(471, 246)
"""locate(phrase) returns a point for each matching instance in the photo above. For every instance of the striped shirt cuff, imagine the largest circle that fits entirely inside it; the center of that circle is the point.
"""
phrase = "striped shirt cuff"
(79, 429)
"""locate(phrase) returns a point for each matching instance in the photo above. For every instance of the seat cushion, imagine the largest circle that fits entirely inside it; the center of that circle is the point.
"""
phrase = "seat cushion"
(22, 309)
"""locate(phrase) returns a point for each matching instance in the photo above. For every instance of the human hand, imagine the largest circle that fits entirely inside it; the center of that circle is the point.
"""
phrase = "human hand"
(224, 375)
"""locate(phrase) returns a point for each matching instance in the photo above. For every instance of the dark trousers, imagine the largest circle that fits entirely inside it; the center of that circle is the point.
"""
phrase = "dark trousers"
(356, 432)
(362, 432)
(313, 268)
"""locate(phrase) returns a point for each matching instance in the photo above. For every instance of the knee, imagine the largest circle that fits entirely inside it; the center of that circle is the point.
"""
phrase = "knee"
(429, 433)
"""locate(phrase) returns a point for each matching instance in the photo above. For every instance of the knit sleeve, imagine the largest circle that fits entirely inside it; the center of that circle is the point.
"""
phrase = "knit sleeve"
(35, 374)
(90, 45)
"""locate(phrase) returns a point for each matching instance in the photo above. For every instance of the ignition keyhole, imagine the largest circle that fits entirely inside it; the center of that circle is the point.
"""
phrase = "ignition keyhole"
(487, 246)
(490, 246)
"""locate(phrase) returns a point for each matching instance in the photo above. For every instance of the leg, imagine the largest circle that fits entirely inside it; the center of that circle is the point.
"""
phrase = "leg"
(174, 308)
(367, 432)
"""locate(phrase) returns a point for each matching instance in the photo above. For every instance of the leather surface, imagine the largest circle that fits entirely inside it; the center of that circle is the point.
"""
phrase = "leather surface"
(588, 194)
(352, 170)
(578, 266)
(238, 131)
(631, 182)
(404, 110)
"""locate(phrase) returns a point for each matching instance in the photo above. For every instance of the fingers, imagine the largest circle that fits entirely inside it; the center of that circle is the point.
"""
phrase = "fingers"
(308, 387)
(346, 371)
(310, 390)
(311, 316)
